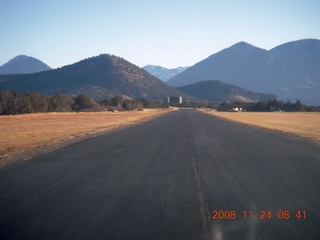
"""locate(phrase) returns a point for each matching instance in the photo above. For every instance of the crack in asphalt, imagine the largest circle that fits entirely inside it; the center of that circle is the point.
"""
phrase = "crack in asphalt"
(204, 209)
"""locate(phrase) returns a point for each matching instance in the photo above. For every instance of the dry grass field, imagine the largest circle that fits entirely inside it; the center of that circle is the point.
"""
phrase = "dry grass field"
(304, 124)
(26, 131)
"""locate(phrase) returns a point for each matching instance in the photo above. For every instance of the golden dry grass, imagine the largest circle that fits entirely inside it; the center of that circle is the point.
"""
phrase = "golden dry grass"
(304, 124)
(22, 132)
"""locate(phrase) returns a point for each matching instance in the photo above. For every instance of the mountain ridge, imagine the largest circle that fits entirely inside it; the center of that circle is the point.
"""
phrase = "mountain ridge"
(307, 52)
(100, 77)
(218, 91)
(260, 70)
(23, 64)
(163, 73)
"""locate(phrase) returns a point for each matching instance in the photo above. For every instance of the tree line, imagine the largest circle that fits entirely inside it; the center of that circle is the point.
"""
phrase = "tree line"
(13, 102)
(269, 106)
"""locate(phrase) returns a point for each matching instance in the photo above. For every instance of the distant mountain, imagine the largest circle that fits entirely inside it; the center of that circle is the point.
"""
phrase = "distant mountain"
(23, 64)
(100, 77)
(162, 73)
(290, 71)
(217, 91)
(305, 51)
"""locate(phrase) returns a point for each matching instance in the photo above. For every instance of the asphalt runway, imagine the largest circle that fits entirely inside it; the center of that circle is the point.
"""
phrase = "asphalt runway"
(167, 179)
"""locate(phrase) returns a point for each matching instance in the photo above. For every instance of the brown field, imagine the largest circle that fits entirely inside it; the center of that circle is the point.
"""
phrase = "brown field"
(28, 131)
(303, 124)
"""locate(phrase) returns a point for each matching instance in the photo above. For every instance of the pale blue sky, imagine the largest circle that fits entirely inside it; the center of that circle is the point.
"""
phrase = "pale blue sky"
(169, 33)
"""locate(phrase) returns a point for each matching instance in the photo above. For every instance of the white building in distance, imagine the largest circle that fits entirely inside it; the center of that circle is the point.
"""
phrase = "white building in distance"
(173, 100)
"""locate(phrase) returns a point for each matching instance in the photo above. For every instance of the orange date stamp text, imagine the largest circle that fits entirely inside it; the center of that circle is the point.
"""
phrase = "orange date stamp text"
(261, 215)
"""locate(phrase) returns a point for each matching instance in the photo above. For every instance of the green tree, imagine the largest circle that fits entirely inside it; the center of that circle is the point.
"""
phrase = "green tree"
(116, 101)
(40, 103)
(82, 101)
(60, 103)
(299, 106)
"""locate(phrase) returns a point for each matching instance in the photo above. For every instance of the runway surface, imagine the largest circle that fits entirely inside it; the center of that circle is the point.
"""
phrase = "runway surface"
(167, 179)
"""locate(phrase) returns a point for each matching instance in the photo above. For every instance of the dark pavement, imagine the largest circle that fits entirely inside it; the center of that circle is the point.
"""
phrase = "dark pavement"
(162, 180)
